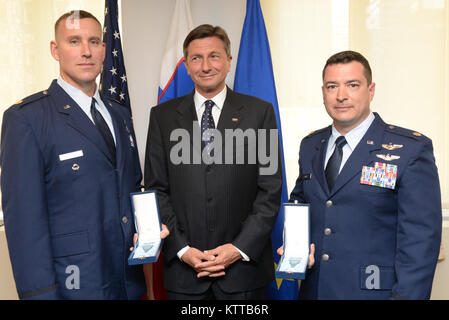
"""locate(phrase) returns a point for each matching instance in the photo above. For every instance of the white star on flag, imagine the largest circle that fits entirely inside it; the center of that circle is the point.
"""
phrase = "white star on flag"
(113, 71)
(112, 90)
(122, 96)
(115, 53)
(116, 35)
(123, 78)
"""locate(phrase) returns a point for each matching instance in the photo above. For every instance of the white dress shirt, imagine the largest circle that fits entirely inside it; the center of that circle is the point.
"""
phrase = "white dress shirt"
(200, 106)
(353, 138)
(199, 101)
(85, 101)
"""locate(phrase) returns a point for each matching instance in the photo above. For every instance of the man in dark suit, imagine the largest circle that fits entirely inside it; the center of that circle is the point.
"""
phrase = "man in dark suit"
(69, 162)
(220, 213)
(374, 196)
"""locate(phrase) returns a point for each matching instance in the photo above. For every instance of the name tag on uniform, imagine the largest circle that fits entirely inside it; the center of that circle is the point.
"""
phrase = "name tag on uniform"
(71, 155)
(381, 175)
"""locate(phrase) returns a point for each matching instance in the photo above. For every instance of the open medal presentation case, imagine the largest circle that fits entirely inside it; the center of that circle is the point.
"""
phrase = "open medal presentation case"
(293, 263)
(148, 226)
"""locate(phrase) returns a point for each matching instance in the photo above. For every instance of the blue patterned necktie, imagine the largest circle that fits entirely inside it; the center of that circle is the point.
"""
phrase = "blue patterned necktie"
(207, 122)
(103, 127)
(334, 163)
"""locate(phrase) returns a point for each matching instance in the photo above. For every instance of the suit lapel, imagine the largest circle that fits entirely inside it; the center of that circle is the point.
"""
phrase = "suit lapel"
(361, 156)
(77, 119)
(231, 114)
(185, 116)
(318, 160)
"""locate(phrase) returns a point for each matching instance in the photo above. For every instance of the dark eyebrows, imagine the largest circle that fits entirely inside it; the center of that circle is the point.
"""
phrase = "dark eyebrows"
(346, 82)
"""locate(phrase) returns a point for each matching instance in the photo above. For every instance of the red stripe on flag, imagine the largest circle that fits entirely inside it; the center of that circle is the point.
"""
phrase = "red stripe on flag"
(169, 81)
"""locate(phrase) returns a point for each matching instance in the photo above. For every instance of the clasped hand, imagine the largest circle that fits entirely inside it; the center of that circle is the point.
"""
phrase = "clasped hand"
(211, 263)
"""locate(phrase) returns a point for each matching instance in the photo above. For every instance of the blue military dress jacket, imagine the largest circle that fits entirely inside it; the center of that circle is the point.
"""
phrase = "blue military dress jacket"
(67, 211)
(372, 242)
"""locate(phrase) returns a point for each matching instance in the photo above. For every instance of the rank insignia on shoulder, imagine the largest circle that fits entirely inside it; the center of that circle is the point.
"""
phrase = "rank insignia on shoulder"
(417, 134)
(387, 157)
(392, 146)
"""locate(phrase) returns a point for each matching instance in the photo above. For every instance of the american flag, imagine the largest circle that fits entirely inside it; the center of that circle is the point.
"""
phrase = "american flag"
(113, 81)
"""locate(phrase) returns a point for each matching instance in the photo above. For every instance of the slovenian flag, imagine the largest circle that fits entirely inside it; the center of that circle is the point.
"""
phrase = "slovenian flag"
(174, 80)
(254, 76)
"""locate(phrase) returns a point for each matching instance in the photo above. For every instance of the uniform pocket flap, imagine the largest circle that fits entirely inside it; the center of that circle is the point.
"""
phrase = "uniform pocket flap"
(70, 244)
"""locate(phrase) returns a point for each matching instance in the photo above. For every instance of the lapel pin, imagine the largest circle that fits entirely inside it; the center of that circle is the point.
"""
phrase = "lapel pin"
(392, 146)
(387, 157)
(67, 107)
(371, 142)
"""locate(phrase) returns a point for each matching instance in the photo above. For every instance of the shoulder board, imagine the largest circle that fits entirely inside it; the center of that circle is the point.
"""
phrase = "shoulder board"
(311, 134)
(404, 132)
(32, 98)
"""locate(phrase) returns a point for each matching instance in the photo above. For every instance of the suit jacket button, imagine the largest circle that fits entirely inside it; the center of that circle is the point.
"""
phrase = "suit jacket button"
(329, 203)
(325, 257)
(125, 219)
(327, 231)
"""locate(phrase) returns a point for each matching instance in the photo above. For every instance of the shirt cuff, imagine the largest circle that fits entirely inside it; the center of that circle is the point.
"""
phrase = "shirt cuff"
(182, 251)
(244, 256)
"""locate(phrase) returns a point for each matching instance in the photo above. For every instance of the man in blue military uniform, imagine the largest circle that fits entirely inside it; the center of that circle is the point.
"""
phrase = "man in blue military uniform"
(374, 195)
(69, 162)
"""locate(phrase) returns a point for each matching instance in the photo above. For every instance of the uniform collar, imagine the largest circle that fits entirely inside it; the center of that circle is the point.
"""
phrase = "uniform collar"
(354, 136)
(83, 100)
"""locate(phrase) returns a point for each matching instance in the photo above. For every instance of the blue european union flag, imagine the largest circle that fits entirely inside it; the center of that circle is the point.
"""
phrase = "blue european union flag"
(113, 81)
(254, 76)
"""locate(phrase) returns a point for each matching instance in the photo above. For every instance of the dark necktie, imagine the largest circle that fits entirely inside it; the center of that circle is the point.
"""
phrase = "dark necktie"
(334, 163)
(207, 122)
(103, 127)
